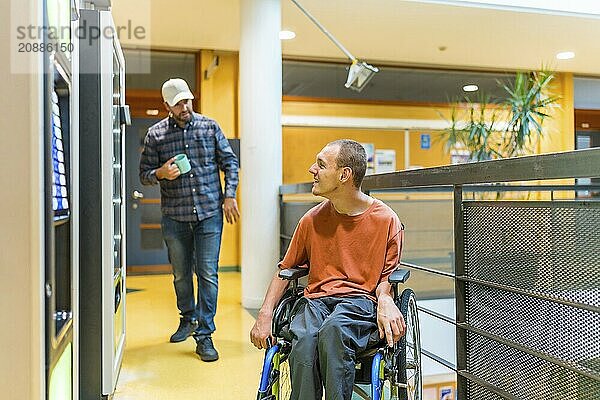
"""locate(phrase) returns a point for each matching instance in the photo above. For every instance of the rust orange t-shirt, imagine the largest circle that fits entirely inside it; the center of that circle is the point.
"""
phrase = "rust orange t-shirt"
(346, 255)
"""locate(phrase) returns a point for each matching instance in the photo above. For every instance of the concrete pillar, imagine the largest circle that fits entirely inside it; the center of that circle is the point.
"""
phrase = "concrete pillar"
(260, 140)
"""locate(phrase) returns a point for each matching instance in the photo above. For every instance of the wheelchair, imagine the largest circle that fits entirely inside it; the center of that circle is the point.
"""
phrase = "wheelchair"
(382, 372)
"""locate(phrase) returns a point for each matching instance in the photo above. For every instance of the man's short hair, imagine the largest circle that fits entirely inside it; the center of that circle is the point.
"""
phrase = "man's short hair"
(353, 155)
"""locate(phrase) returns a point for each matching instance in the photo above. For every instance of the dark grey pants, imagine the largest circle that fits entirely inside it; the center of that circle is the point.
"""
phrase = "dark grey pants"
(327, 333)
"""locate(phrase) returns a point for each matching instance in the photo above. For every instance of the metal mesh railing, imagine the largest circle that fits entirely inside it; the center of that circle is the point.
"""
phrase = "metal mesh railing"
(523, 375)
(474, 391)
(567, 334)
(532, 273)
(549, 248)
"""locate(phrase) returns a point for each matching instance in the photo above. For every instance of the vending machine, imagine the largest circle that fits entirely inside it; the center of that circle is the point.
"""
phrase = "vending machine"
(103, 117)
(60, 201)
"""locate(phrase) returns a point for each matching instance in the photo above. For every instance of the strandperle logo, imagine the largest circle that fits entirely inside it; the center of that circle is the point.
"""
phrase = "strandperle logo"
(82, 32)
(31, 40)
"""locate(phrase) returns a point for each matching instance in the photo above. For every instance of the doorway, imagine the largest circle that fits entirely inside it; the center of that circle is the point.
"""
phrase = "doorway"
(585, 140)
(146, 251)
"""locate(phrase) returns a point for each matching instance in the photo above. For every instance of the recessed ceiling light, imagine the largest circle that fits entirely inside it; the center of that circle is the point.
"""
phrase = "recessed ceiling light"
(565, 55)
(287, 35)
(470, 88)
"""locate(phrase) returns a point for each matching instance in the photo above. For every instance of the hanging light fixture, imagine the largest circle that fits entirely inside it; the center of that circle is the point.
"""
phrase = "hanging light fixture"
(359, 72)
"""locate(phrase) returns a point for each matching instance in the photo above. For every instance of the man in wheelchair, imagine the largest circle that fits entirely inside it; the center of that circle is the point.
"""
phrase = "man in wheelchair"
(350, 244)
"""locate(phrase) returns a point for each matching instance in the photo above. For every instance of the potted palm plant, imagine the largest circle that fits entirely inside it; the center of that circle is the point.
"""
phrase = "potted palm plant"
(508, 127)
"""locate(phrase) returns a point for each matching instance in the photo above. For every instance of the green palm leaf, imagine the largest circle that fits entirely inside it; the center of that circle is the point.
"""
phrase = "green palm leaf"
(473, 124)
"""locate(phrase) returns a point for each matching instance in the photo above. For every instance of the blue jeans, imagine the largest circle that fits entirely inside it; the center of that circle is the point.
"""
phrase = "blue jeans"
(194, 247)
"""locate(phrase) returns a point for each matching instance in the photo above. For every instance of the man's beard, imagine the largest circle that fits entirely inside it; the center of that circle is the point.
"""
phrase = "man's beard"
(183, 120)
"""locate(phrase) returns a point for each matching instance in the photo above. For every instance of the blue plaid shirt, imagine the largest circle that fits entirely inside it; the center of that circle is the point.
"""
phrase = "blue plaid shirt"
(198, 194)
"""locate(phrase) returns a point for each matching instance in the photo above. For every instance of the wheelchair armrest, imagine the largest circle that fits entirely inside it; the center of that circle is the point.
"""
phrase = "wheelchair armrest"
(290, 274)
(400, 275)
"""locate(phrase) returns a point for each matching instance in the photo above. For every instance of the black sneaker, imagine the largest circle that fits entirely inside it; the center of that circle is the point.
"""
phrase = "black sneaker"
(205, 349)
(186, 328)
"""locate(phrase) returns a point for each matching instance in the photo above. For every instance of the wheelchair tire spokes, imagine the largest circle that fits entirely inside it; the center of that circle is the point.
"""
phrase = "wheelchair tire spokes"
(409, 359)
(282, 386)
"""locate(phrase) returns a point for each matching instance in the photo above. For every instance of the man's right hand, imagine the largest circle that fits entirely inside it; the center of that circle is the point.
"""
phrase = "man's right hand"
(168, 170)
(261, 332)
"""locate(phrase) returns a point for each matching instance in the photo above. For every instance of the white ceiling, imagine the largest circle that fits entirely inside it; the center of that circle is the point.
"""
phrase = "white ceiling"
(385, 32)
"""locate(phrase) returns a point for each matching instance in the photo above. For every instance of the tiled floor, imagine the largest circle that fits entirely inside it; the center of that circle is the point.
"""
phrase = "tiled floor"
(153, 368)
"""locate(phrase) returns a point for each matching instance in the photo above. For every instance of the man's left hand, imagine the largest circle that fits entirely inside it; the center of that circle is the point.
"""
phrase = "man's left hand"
(389, 320)
(230, 209)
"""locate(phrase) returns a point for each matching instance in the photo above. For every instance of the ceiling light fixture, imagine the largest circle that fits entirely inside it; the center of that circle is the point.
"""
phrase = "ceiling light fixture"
(287, 35)
(565, 55)
(152, 111)
(470, 88)
(359, 73)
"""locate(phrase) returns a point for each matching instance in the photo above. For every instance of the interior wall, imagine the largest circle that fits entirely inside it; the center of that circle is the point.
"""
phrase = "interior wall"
(21, 246)
(219, 101)
(560, 128)
(301, 145)
(219, 93)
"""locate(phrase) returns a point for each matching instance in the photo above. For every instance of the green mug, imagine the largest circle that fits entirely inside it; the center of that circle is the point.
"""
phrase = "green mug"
(183, 163)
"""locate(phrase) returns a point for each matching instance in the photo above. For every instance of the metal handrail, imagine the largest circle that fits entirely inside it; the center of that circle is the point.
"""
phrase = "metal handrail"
(570, 164)
(302, 189)
(494, 188)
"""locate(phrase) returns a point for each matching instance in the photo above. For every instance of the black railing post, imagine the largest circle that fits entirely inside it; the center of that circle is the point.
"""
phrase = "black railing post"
(460, 293)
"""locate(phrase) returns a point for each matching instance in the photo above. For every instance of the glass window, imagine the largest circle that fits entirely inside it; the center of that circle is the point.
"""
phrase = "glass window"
(150, 69)
(586, 93)
(326, 80)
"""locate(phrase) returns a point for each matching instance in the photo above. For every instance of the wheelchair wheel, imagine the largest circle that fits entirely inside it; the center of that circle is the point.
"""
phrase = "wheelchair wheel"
(409, 360)
(275, 382)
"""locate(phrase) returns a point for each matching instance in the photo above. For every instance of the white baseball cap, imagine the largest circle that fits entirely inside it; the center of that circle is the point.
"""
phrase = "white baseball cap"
(175, 90)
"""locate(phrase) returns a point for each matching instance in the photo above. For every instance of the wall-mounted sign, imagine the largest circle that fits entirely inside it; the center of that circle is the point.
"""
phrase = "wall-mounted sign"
(425, 141)
(385, 160)
(446, 393)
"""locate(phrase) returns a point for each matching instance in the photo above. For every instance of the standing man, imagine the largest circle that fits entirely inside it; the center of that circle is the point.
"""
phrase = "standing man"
(192, 206)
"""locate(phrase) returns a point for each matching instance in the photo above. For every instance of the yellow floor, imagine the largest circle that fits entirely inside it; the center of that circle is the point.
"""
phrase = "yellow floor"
(153, 368)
